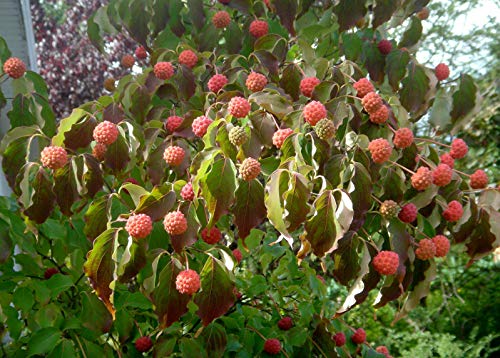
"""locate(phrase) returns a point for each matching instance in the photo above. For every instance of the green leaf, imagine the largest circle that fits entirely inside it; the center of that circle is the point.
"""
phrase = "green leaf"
(99, 267)
(65, 349)
(274, 201)
(169, 303)
(324, 229)
(21, 112)
(65, 188)
(296, 201)
(215, 338)
(66, 125)
(290, 81)
(412, 34)
(43, 341)
(59, 283)
(97, 216)
(132, 261)
(196, 13)
(216, 296)
(383, 11)
(272, 102)
(325, 346)
(440, 111)
(94, 314)
(464, 99)
(349, 12)
(94, 33)
(415, 87)
(23, 299)
(158, 203)
(138, 22)
(249, 210)
(218, 187)
(14, 149)
(160, 16)
(396, 62)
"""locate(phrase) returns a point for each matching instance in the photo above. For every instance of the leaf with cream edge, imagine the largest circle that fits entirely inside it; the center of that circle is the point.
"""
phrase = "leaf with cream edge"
(216, 296)
(100, 267)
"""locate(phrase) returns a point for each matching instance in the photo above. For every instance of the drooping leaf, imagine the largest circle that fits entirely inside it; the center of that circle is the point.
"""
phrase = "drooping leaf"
(215, 338)
(169, 303)
(274, 201)
(65, 188)
(485, 236)
(415, 87)
(156, 204)
(412, 34)
(296, 198)
(117, 155)
(216, 296)
(374, 61)
(218, 187)
(43, 341)
(286, 10)
(440, 111)
(396, 63)
(196, 13)
(272, 102)
(349, 12)
(383, 11)
(42, 198)
(249, 209)
(99, 267)
(96, 217)
(464, 99)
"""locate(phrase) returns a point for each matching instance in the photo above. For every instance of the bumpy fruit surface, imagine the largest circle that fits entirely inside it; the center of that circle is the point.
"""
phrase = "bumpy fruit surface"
(363, 87)
(442, 72)
(383, 350)
(313, 112)
(175, 223)
(238, 107)
(187, 192)
(371, 102)
(389, 209)
(442, 245)
(426, 249)
(459, 148)
(221, 19)
(237, 255)
(106, 133)
(478, 179)
(188, 58)
(386, 262)
(258, 28)
(211, 236)
(422, 179)
(143, 344)
(51, 271)
(163, 70)
(139, 226)
(174, 155)
(173, 122)
(339, 339)
(53, 157)
(403, 138)
(285, 323)
(454, 211)
(140, 53)
(249, 169)
(408, 213)
(424, 13)
(99, 151)
(272, 346)
(380, 150)
(14, 67)
(359, 336)
(256, 82)
(128, 61)
(187, 282)
(216, 83)
(109, 84)
(384, 46)
(308, 84)
(200, 125)
(280, 135)
(238, 136)
(448, 160)
(325, 129)
(441, 175)
(380, 116)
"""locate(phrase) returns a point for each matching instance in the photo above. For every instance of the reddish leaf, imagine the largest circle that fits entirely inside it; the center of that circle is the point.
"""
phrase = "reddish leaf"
(349, 12)
(249, 210)
(286, 10)
(113, 113)
(216, 296)
(42, 198)
(383, 11)
(65, 188)
(396, 63)
(99, 267)
(484, 236)
(158, 203)
(374, 61)
(346, 259)
(117, 155)
(415, 87)
(92, 176)
(169, 303)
